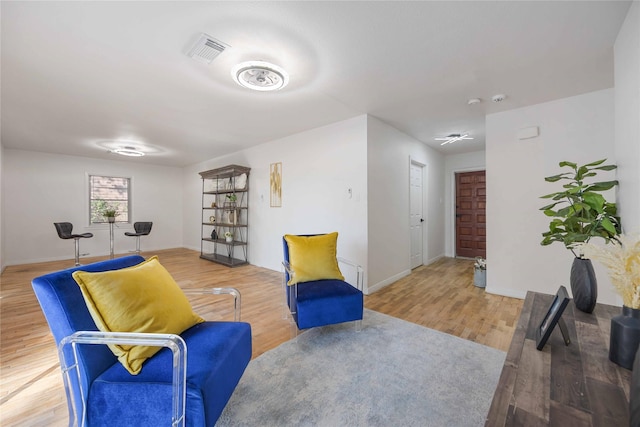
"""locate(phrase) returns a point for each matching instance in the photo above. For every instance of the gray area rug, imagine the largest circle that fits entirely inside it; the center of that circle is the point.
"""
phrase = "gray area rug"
(392, 373)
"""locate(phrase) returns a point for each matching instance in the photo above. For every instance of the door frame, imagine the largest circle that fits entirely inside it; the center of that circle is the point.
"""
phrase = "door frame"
(452, 228)
(423, 166)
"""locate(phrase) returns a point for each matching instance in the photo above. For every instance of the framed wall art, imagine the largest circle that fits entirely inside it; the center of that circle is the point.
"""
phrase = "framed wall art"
(275, 180)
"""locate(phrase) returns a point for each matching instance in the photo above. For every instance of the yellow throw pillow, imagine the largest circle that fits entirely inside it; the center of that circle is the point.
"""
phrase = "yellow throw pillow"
(142, 298)
(313, 257)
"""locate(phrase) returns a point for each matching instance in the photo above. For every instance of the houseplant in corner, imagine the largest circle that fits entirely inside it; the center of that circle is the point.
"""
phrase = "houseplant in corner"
(579, 212)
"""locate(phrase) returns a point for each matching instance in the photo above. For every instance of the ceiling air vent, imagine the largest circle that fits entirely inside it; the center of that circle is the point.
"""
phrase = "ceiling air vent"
(206, 49)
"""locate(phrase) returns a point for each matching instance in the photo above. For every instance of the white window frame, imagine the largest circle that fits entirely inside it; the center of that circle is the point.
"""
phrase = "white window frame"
(105, 224)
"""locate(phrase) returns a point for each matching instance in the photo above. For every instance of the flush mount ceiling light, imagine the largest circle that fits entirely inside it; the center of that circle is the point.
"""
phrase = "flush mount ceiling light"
(453, 138)
(259, 75)
(498, 98)
(128, 151)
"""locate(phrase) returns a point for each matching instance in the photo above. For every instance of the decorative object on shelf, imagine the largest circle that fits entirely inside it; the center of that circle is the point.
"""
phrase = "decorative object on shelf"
(230, 205)
(584, 284)
(622, 259)
(553, 318)
(480, 272)
(213, 204)
(212, 219)
(625, 337)
(579, 212)
(228, 236)
(214, 234)
(275, 180)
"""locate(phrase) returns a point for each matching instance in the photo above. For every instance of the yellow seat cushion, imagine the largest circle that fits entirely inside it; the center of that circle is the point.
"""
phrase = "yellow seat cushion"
(313, 257)
(142, 298)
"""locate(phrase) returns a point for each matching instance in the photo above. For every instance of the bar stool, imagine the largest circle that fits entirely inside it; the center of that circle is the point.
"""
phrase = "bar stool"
(141, 229)
(65, 231)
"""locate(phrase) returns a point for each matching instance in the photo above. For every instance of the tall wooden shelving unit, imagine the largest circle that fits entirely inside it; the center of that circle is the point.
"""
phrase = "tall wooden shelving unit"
(225, 209)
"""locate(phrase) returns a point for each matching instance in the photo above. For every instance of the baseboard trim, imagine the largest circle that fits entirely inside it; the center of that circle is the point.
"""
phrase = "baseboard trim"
(90, 255)
(371, 289)
(511, 293)
(432, 260)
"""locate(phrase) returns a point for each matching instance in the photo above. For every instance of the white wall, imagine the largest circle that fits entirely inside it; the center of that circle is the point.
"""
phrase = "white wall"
(40, 189)
(627, 118)
(388, 158)
(577, 129)
(318, 168)
(464, 162)
(2, 258)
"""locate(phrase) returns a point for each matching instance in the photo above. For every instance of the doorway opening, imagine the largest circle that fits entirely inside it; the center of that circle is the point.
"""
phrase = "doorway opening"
(416, 214)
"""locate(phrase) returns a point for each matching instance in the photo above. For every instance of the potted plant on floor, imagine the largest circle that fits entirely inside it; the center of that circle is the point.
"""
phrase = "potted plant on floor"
(579, 212)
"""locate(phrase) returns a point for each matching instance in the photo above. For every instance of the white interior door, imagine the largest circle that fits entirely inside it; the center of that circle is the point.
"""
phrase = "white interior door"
(415, 212)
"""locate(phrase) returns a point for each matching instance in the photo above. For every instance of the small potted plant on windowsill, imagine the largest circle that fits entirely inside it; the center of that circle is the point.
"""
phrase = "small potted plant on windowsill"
(110, 214)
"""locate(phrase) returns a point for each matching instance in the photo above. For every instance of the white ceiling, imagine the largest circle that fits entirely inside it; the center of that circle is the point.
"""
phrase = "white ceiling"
(77, 74)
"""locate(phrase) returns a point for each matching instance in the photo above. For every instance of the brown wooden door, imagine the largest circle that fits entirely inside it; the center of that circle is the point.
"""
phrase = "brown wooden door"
(471, 198)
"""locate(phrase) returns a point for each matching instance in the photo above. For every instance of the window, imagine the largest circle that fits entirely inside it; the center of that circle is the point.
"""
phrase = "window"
(109, 192)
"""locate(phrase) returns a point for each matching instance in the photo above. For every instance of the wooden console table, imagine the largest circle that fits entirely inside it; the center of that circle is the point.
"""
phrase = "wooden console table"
(574, 385)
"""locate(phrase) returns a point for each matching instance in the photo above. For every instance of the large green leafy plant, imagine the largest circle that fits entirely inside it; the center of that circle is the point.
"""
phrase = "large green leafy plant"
(579, 211)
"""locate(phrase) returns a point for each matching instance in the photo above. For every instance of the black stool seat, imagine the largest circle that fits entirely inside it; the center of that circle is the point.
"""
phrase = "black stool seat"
(65, 231)
(75, 236)
(141, 229)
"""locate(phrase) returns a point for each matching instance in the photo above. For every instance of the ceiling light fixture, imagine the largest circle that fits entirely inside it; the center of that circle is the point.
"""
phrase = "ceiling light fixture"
(128, 151)
(449, 139)
(498, 98)
(259, 75)
(474, 101)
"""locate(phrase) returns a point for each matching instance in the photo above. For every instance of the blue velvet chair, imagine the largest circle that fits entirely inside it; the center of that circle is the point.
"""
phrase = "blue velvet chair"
(322, 302)
(187, 383)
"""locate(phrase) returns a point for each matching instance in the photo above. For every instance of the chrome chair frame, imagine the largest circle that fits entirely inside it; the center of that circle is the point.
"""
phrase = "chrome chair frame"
(69, 359)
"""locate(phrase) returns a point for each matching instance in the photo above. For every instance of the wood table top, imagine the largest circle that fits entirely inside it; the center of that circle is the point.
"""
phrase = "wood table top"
(574, 385)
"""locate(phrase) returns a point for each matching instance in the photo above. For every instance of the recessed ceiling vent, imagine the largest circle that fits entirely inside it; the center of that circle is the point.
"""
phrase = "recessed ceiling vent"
(206, 49)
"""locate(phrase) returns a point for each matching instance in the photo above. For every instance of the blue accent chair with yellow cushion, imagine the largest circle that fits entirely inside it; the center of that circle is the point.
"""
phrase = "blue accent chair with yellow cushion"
(315, 291)
(186, 383)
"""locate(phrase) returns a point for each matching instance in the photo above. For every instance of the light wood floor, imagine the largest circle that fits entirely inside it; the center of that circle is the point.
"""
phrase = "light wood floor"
(440, 296)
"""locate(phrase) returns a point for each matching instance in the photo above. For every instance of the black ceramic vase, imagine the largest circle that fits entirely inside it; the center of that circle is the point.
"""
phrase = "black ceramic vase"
(625, 337)
(584, 286)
